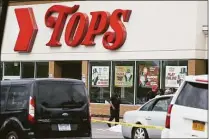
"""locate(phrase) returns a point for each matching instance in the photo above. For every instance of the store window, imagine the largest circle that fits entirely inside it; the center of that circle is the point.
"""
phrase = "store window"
(12, 68)
(148, 75)
(174, 73)
(123, 80)
(42, 69)
(28, 69)
(99, 81)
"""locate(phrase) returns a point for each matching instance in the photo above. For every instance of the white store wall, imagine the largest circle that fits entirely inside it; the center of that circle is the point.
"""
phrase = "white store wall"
(156, 30)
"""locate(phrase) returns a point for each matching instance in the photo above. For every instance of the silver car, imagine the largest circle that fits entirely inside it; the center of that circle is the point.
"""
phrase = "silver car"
(151, 113)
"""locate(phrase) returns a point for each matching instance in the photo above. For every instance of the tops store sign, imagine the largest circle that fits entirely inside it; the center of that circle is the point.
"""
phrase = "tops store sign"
(79, 30)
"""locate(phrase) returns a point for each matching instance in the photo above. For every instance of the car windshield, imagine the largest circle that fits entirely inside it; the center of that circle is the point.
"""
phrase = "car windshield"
(54, 94)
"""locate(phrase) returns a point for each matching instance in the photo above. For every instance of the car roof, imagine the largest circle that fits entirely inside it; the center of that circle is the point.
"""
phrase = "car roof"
(30, 80)
(163, 96)
(197, 78)
(157, 97)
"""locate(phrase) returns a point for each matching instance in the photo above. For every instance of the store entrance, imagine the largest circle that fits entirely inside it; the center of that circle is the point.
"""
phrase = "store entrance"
(71, 69)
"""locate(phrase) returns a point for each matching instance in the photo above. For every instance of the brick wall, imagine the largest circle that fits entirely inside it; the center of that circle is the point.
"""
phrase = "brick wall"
(85, 71)
(196, 67)
(104, 109)
(55, 69)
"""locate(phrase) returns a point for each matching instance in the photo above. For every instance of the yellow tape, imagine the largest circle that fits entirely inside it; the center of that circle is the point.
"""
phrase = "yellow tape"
(129, 124)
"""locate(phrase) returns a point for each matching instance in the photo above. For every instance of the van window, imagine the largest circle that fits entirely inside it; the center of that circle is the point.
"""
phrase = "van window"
(56, 94)
(4, 90)
(18, 97)
(194, 95)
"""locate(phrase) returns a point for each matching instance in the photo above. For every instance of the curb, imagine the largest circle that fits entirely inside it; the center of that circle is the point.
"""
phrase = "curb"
(102, 116)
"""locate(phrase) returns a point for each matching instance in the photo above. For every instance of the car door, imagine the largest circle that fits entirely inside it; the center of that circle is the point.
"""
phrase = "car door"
(157, 115)
(17, 102)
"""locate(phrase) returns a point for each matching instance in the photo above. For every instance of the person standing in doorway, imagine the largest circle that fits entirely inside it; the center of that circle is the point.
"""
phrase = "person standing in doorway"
(114, 108)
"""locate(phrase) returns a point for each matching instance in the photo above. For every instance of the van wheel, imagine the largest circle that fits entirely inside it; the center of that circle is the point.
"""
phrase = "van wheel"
(139, 133)
(12, 135)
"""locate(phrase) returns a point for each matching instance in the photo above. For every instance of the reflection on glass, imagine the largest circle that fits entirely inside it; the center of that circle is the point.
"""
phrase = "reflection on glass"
(174, 73)
(148, 76)
(12, 68)
(99, 86)
(123, 79)
(42, 69)
(28, 69)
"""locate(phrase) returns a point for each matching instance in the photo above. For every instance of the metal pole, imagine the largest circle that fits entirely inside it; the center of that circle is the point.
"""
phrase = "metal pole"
(88, 77)
(161, 73)
(111, 79)
(135, 83)
(20, 74)
(35, 69)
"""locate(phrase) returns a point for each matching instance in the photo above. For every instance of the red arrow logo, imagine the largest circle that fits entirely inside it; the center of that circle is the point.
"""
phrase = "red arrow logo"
(28, 29)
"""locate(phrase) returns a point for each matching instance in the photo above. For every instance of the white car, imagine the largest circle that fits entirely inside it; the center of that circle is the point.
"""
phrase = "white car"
(187, 113)
(151, 113)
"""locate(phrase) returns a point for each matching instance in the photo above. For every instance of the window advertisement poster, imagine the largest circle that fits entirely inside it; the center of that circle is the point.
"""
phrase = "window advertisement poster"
(175, 76)
(124, 76)
(100, 76)
(148, 76)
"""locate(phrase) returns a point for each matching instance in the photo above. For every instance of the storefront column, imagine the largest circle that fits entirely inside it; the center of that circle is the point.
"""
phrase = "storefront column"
(54, 70)
(196, 67)
(85, 72)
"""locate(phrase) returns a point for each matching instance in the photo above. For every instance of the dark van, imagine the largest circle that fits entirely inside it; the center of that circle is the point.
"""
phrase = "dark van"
(44, 108)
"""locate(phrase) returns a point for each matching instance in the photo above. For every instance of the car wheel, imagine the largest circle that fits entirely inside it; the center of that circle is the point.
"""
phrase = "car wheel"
(139, 133)
(12, 135)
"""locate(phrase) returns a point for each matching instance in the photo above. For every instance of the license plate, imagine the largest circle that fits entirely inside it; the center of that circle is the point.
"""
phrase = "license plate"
(64, 127)
(199, 126)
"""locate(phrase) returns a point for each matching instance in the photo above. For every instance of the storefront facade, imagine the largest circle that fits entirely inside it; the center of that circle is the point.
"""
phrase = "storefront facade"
(124, 47)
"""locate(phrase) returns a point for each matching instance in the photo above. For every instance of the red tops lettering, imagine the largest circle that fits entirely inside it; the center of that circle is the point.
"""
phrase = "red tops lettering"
(79, 29)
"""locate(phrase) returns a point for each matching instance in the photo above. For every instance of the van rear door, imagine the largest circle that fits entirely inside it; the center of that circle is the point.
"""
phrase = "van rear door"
(189, 113)
(62, 109)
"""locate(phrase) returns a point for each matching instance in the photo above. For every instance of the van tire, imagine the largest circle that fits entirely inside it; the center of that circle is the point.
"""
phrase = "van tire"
(12, 135)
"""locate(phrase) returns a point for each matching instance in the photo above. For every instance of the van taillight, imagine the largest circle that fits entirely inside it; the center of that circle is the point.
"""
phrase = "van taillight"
(168, 116)
(31, 112)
